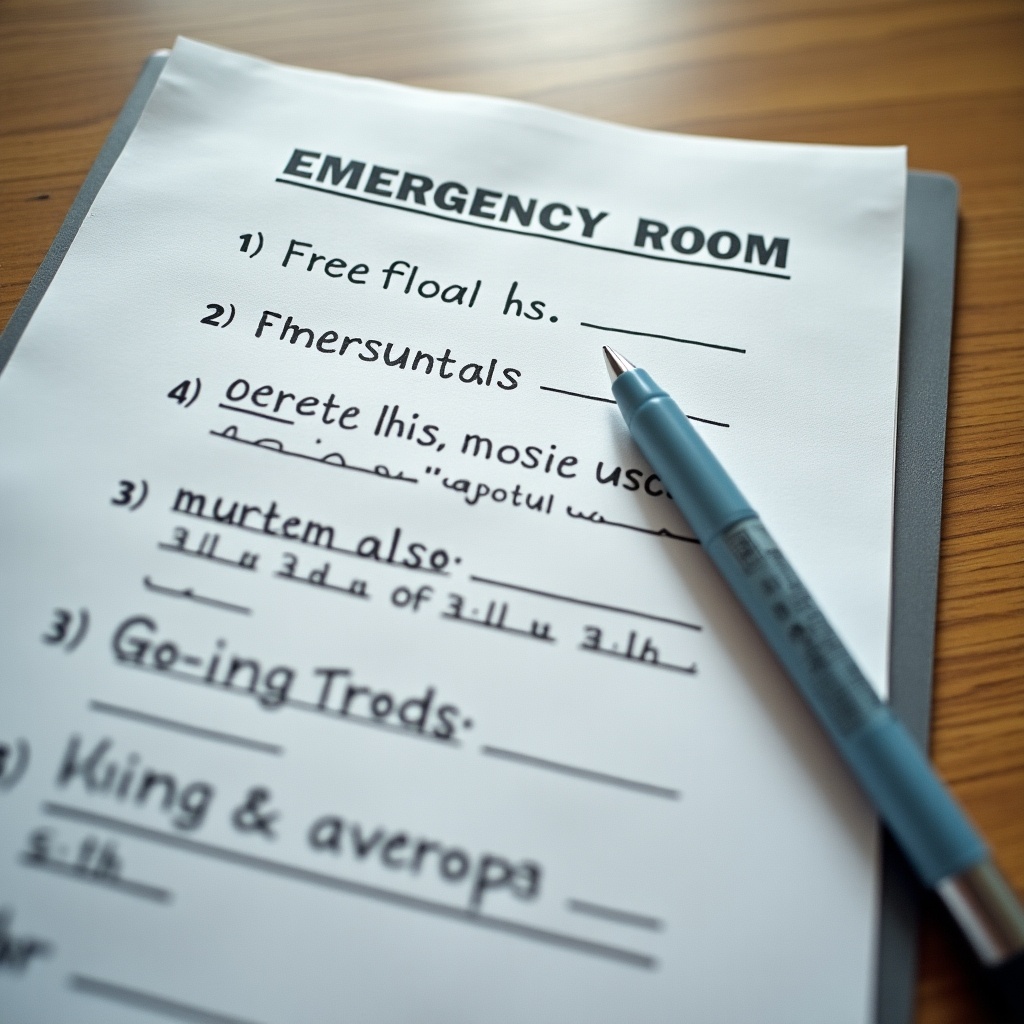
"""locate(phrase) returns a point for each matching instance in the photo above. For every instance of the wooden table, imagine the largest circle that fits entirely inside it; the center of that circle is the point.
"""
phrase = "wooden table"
(946, 77)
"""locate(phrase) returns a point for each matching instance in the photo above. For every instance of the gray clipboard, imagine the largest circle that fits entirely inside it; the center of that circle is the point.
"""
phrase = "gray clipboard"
(929, 263)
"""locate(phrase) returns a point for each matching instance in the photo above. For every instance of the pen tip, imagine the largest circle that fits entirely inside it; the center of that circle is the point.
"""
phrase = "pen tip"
(617, 365)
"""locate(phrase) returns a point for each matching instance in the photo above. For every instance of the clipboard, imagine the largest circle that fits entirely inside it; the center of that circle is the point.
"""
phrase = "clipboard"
(925, 335)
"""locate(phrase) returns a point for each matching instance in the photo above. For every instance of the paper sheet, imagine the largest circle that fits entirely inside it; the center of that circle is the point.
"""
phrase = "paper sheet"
(355, 666)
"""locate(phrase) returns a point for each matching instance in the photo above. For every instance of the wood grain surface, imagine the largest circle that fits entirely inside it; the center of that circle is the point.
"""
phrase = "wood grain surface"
(945, 77)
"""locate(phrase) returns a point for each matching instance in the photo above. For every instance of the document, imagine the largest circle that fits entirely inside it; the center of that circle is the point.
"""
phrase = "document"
(355, 665)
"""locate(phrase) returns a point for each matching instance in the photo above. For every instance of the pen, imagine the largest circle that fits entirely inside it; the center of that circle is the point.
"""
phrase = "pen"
(934, 833)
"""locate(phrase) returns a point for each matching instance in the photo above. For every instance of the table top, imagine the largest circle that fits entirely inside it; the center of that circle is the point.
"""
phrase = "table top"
(944, 77)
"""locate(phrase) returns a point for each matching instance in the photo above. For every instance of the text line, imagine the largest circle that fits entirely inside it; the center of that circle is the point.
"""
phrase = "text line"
(529, 234)
(294, 873)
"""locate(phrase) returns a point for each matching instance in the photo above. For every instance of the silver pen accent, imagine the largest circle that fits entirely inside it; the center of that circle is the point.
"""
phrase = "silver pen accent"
(983, 904)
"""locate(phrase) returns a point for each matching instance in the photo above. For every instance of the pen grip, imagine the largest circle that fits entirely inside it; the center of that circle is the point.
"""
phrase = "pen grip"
(890, 767)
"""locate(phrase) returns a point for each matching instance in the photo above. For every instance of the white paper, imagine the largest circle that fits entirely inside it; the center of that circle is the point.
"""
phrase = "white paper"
(554, 832)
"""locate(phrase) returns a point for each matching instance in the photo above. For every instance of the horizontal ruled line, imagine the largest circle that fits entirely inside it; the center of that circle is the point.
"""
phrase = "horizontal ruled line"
(597, 519)
(627, 917)
(148, 1001)
(529, 234)
(663, 337)
(599, 398)
(184, 727)
(689, 670)
(291, 702)
(586, 604)
(578, 394)
(253, 412)
(188, 594)
(704, 419)
(112, 882)
(582, 773)
(294, 873)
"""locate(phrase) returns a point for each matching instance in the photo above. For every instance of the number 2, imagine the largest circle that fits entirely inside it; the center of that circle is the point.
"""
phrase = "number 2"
(214, 318)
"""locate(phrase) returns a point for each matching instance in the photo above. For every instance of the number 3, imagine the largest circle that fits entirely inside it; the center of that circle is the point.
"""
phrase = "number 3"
(125, 496)
(59, 630)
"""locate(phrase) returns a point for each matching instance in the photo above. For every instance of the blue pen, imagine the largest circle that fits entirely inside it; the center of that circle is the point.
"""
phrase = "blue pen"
(941, 844)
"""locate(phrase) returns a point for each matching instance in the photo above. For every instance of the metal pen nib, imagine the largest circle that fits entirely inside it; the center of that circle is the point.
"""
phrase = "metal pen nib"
(617, 365)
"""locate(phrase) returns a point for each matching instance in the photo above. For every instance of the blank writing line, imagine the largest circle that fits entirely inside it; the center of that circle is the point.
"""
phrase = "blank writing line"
(530, 234)
(191, 730)
(148, 1001)
(188, 594)
(664, 337)
(578, 394)
(582, 773)
(618, 916)
(598, 398)
(373, 892)
(253, 412)
(586, 604)
(130, 888)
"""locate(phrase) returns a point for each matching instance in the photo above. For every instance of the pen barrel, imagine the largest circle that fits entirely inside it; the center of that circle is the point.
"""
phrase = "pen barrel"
(892, 770)
(690, 472)
(889, 766)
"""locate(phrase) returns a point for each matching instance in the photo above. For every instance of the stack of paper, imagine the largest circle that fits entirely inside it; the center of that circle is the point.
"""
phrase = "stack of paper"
(356, 666)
